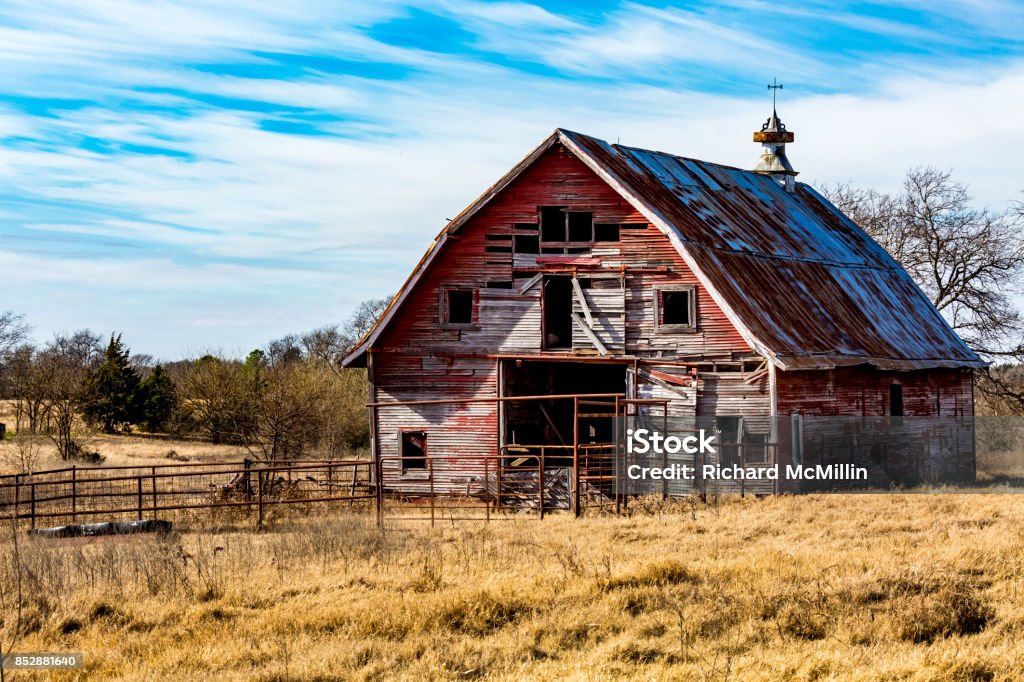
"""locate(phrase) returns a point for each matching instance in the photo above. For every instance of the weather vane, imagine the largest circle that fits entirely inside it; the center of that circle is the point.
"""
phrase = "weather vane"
(773, 86)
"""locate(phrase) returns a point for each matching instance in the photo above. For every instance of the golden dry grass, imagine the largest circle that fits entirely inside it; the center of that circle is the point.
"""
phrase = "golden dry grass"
(865, 587)
(119, 449)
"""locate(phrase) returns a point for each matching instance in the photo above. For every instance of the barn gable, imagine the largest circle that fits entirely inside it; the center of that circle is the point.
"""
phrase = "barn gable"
(801, 284)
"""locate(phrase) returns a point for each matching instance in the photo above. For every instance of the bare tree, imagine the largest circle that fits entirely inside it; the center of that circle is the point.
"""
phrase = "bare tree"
(969, 261)
(63, 365)
(218, 400)
(23, 453)
(332, 343)
(13, 331)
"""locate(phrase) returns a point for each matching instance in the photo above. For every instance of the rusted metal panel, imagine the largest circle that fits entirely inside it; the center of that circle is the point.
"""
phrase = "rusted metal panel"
(796, 279)
(800, 277)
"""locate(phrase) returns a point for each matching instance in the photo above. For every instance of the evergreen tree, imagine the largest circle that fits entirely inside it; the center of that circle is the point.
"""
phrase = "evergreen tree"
(110, 391)
(157, 399)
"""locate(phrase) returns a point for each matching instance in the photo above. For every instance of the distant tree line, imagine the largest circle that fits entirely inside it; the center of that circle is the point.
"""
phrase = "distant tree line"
(289, 399)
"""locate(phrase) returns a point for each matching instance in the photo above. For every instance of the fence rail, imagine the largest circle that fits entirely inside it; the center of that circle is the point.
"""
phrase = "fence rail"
(75, 495)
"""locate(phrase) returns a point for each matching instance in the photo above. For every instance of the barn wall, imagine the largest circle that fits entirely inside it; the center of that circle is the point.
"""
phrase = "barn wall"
(509, 321)
(458, 435)
(844, 419)
(864, 392)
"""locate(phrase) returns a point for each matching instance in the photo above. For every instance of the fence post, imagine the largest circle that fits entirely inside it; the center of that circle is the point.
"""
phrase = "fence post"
(352, 489)
(378, 476)
(17, 496)
(540, 482)
(74, 494)
(497, 481)
(33, 505)
(487, 493)
(155, 505)
(430, 472)
(576, 456)
(259, 499)
(139, 480)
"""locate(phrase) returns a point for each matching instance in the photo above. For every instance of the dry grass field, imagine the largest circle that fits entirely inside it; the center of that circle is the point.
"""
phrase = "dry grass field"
(860, 587)
(120, 449)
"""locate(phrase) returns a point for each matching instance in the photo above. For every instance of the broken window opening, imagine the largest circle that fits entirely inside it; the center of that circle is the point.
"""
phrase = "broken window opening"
(414, 451)
(557, 305)
(458, 306)
(895, 400)
(500, 284)
(581, 226)
(675, 307)
(525, 243)
(552, 224)
(604, 232)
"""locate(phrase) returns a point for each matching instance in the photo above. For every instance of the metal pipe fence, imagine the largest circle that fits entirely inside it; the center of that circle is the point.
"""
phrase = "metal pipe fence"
(82, 494)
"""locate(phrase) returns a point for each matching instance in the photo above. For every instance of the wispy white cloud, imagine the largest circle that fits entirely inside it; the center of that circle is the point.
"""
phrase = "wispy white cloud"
(156, 169)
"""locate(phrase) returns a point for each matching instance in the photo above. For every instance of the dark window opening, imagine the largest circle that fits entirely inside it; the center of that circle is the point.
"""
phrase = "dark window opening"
(581, 227)
(526, 226)
(895, 400)
(498, 249)
(526, 243)
(547, 250)
(552, 224)
(557, 312)
(458, 306)
(414, 451)
(501, 284)
(674, 307)
(606, 233)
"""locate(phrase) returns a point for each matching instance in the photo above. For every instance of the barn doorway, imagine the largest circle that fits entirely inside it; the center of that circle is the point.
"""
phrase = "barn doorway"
(531, 425)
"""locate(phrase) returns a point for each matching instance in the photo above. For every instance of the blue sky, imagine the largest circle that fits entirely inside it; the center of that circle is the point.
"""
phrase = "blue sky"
(208, 176)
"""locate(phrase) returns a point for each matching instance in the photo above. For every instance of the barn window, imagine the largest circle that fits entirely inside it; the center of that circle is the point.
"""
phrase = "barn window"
(604, 232)
(675, 307)
(457, 305)
(895, 400)
(552, 224)
(525, 243)
(581, 226)
(414, 451)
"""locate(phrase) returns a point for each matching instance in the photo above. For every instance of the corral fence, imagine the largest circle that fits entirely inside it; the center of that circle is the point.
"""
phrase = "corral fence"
(87, 494)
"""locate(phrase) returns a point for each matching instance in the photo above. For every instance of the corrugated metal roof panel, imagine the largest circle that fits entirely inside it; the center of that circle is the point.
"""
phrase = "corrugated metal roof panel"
(800, 280)
(806, 282)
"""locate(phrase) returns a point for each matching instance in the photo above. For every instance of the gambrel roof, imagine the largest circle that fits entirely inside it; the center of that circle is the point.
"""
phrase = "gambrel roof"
(803, 285)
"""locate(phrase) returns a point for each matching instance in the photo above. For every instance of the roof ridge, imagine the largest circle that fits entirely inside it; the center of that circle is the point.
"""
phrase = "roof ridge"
(664, 153)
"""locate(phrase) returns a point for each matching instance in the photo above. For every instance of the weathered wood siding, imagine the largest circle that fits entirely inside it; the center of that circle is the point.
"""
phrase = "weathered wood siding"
(845, 419)
(510, 322)
(864, 392)
(418, 357)
(458, 435)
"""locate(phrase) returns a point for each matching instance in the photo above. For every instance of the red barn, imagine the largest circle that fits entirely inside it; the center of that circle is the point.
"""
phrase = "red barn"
(592, 268)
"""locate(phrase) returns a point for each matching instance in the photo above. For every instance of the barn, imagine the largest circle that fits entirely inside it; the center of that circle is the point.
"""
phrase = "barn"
(597, 280)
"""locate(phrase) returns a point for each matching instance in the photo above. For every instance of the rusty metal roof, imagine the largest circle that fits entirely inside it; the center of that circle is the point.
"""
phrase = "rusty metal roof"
(803, 284)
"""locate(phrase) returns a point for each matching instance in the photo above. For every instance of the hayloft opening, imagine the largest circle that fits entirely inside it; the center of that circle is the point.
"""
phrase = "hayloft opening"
(557, 306)
(581, 226)
(552, 223)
